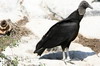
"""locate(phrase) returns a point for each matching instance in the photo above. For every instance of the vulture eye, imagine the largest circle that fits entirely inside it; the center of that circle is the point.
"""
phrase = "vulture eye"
(3, 23)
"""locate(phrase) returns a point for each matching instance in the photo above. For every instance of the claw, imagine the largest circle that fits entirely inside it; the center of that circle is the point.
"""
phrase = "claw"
(68, 61)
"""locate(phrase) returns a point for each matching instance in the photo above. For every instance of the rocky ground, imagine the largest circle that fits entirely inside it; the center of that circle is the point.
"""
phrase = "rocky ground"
(37, 17)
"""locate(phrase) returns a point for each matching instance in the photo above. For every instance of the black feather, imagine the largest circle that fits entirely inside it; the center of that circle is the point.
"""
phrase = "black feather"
(62, 33)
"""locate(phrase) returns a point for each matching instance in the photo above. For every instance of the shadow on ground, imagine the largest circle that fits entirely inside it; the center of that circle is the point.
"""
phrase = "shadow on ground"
(74, 55)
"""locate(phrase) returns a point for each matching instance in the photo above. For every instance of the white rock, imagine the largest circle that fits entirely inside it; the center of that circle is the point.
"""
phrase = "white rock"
(93, 60)
(40, 26)
(63, 7)
(90, 26)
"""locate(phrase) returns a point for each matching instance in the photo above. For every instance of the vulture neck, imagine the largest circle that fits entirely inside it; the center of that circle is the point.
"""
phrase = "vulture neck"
(76, 16)
(81, 10)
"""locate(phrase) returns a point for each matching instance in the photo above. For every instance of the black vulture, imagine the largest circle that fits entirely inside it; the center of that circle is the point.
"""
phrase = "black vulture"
(63, 32)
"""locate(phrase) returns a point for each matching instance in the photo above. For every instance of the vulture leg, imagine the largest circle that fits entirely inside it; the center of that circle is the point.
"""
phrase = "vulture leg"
(68, 56)
(66, 60)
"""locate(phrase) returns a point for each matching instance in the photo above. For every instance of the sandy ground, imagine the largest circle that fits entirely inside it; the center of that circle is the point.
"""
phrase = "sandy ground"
(94, 44)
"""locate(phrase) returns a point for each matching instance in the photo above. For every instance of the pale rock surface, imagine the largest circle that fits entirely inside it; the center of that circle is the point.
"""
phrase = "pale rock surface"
(39, 24)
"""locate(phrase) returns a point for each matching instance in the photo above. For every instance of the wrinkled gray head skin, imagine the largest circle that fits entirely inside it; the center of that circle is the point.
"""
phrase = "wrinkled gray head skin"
(85, 5)
(82, 7)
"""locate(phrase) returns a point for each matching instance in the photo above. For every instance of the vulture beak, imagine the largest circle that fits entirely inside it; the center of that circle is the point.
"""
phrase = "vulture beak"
(90, 7)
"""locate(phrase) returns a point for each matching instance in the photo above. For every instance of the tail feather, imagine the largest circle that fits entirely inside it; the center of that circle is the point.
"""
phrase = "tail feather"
(39, 48)
(40, 51)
